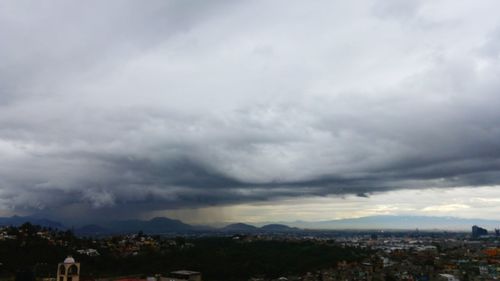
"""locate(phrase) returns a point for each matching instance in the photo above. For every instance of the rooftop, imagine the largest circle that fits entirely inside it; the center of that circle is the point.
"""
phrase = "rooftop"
(185, 272)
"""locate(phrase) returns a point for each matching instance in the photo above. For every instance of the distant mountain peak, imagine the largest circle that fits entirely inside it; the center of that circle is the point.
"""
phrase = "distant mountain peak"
(239, 227)
(278, 227)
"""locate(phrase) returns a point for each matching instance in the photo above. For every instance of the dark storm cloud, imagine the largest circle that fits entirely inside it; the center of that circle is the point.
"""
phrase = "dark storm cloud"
(125, 107)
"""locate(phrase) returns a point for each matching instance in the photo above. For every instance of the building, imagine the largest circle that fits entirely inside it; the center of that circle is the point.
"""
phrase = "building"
(68, 270)
(182, 275)
(89, 252)
(478, 232)
(447, 277)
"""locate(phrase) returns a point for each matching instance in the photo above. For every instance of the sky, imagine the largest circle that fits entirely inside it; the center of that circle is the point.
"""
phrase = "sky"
(215, 111)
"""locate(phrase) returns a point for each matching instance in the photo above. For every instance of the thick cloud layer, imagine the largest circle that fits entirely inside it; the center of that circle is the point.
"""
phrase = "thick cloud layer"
(136, 106)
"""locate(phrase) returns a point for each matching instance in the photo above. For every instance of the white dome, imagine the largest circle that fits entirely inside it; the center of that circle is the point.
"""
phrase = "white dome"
(69, 259)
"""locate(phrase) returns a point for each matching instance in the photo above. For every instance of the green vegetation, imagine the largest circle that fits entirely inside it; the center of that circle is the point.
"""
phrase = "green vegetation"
(218, 258)
(225, 259)
(30, 252)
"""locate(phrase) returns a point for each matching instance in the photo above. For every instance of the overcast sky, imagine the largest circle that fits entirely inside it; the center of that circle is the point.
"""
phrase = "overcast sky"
(210, 110)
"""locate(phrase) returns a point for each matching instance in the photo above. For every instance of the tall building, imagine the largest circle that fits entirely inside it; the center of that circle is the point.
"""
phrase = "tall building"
(478, 232)
(69, 270)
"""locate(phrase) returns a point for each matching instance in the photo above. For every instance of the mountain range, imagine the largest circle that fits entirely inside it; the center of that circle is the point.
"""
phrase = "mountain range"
(162, 225)
(18, 220)
(391, 222)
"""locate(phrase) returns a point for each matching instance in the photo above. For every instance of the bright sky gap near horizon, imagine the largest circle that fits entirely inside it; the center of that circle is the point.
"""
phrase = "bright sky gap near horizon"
(213, 111)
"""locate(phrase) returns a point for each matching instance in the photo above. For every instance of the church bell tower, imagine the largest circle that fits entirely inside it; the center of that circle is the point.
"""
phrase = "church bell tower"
(69, 270)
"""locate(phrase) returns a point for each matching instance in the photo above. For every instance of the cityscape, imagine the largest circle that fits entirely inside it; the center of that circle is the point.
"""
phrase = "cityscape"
(249, 140)
(313, 255)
